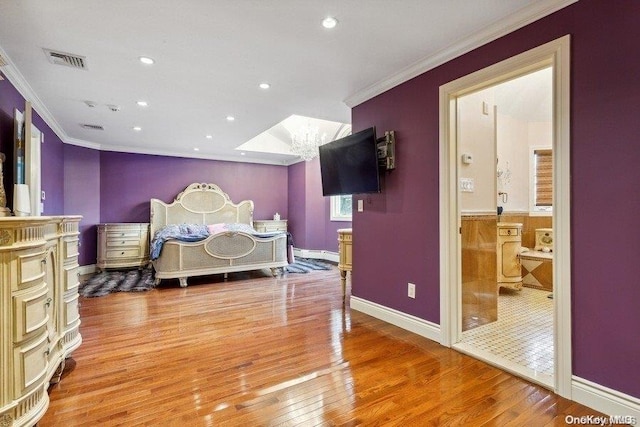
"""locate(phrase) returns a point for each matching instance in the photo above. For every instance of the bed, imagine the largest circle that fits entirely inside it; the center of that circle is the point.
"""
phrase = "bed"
(233, 245)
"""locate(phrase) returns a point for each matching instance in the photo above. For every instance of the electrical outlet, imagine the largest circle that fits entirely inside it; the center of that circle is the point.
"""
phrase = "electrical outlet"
(360, 205)
(411, 290)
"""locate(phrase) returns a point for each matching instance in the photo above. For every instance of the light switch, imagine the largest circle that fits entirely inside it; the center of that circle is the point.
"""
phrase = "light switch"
(467, 185)
(360, 205)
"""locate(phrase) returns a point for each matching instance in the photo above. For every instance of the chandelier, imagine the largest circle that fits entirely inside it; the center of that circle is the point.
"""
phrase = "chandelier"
(306, 140)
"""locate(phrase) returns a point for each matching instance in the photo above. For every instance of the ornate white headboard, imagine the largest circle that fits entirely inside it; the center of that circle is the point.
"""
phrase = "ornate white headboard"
(200, 204)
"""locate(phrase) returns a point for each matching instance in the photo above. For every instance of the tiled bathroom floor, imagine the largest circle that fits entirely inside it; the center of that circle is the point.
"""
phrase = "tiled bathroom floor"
(523, 333)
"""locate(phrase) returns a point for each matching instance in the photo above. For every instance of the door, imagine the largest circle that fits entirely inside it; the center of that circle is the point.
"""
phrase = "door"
(476, 146)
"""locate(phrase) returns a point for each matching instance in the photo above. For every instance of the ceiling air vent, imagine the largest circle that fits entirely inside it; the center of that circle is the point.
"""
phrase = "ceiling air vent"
(91, 127)
(68, 59)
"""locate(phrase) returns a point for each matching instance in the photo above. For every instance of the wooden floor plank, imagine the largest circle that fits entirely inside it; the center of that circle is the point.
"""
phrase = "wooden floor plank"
(261, 351)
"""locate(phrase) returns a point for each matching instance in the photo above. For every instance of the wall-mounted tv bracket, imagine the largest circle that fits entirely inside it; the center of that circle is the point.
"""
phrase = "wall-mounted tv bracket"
(387, 150)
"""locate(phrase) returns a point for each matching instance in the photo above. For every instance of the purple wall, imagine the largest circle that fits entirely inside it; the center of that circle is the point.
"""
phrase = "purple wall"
(297, 218)
(605, 156)
(310, 216)
(82, 196)
(129, 181)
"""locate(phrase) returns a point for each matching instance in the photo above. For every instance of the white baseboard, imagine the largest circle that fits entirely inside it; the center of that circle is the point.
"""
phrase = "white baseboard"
(403, 320)
(317, 254)
(87, 269)
(604, 399)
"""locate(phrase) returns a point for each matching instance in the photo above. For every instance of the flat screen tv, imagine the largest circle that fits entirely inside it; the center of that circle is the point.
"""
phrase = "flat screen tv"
(350, 165)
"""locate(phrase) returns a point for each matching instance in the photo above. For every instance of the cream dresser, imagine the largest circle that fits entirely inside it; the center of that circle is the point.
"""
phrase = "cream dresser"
(39, 314)
(123, 245)
(268, 225)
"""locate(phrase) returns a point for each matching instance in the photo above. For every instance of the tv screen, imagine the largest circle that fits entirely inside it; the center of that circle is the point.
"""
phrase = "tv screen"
(350, 165)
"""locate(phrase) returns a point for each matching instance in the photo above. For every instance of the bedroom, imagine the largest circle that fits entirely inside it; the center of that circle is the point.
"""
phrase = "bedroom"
(91, 182)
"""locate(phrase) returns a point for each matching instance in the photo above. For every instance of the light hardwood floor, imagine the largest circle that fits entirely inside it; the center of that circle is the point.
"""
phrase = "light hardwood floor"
(263, 351)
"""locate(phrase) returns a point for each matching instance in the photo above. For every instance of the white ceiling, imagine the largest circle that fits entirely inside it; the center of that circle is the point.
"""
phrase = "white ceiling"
(211, 56)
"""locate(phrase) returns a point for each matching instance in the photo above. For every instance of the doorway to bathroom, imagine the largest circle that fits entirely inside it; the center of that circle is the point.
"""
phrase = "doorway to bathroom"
(488, 171)
(505, 199)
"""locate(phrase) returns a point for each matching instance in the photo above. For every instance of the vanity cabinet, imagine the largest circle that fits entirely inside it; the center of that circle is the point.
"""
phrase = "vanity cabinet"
(345, 245)
(123, 245)
(508, 254)
(38, 309)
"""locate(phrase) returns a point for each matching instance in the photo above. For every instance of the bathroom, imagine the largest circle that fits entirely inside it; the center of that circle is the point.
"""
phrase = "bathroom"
(505, 193)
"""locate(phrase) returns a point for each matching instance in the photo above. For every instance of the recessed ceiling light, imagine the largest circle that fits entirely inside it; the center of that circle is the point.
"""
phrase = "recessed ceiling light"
(265, 85)
(137, 128)
(146, 60)
(142, 103)
(230, 118)
(243, 153)
(209, 136)
(329, 22)
(196, 149)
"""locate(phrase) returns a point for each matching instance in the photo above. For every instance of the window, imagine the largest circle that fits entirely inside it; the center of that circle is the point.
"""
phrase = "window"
(542, 180)
(341, 208)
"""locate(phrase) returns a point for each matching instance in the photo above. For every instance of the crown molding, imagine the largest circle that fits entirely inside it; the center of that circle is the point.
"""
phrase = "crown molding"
(169, 153)
(20, 83)
(518, 20)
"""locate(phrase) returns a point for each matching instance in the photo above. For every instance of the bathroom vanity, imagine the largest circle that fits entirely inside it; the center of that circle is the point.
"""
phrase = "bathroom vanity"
(508, 254)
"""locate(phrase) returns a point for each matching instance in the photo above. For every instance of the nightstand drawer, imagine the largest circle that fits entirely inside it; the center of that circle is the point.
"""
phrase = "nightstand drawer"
(123, 234)
(124, 253)
(123, 242)
(269, 225)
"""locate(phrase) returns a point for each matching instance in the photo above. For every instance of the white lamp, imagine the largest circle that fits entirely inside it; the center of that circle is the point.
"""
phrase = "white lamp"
(21, 201)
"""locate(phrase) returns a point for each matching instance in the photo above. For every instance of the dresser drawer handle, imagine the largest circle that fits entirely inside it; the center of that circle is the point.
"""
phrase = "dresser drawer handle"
(121, 253)
(48, 302)
(44, 260)
(47, 352)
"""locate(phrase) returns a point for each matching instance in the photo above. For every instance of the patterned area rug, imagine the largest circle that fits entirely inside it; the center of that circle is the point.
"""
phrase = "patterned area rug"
(135, 280)
(106, 282)
(306, 265)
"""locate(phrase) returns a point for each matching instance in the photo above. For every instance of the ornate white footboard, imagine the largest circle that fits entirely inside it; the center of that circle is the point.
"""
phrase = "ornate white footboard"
(219, 253)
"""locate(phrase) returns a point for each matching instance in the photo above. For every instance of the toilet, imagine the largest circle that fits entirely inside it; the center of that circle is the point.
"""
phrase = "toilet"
(544, 239)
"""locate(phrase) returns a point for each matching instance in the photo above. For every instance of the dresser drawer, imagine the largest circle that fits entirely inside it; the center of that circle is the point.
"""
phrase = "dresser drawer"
(71, 311)
(30, 361)
(71, 277)
(70, 249)
(30, 310)
(31, 265)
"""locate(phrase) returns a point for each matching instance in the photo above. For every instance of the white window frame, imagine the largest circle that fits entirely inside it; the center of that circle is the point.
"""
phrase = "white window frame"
(335, 209)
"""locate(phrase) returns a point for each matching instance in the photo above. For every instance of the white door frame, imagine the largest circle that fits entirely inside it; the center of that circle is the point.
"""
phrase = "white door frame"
(556, 54)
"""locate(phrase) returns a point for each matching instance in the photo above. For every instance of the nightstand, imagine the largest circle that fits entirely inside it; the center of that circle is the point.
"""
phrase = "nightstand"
(123, 245)
(268, 225)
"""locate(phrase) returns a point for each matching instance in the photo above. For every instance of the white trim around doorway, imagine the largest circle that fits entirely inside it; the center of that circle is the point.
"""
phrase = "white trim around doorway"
(556, 54)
